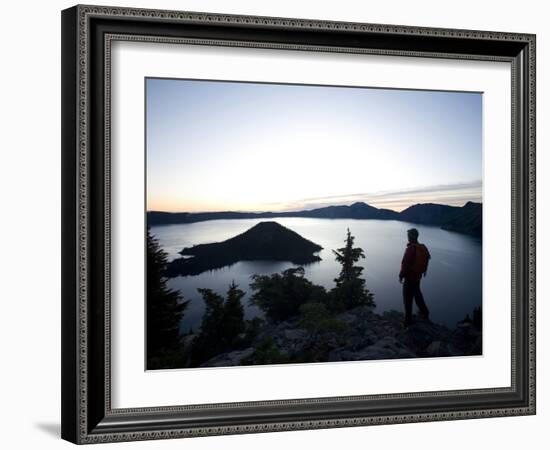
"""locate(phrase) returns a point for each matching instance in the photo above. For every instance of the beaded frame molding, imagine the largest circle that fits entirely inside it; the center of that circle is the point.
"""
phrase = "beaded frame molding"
(87, 35)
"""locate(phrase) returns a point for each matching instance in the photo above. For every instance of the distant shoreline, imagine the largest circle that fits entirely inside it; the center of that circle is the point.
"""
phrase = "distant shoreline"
(466, 219)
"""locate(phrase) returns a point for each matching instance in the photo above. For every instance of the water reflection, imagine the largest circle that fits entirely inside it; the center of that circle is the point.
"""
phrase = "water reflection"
(452, 288)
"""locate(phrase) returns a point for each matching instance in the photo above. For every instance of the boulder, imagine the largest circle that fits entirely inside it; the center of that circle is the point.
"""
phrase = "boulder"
(229, 359)
(386, 348)
(466, 339)
(438, 348)
(421, 334)
(294, 334)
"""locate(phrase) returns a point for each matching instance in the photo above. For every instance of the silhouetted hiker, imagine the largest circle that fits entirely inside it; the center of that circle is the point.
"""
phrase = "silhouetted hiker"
(413, 266)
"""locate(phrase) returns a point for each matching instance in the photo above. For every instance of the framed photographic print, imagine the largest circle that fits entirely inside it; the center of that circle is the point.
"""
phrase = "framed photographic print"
(268, 221)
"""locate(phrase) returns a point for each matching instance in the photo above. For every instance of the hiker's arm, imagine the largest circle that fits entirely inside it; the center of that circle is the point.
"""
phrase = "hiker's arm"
(406, 263)
(427, 263)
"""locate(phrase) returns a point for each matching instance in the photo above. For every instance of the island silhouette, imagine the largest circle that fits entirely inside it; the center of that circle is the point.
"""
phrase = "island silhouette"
(264, 241)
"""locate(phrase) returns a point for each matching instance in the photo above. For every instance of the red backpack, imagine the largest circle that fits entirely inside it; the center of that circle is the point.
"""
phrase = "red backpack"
(421, 258)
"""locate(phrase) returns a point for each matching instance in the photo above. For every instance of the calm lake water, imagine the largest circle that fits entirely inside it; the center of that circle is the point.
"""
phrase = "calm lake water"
(452, 288)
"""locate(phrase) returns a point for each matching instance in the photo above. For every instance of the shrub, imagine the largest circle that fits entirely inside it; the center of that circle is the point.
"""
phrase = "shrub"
(267, 352)
(281, 295)
(317, 320)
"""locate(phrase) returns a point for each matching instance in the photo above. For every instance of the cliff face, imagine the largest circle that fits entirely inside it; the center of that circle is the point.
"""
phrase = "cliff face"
(466, 219)
(428, 213)
(364, 335)
(264, 241)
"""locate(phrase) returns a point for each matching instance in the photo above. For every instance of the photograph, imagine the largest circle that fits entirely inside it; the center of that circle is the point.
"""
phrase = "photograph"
(300, 223)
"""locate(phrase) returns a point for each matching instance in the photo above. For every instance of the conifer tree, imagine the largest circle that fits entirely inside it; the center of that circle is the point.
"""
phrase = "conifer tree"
(222, 323)
(209, 341)
(350, 290)
(233, 311)
(164, 312)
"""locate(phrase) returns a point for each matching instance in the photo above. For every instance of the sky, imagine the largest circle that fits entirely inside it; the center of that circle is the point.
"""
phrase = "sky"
(234, 146)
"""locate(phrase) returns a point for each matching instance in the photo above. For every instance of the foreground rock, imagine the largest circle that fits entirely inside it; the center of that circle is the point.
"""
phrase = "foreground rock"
(361, 335)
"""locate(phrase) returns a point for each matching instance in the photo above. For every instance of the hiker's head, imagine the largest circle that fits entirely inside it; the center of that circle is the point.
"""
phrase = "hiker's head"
(412, 234)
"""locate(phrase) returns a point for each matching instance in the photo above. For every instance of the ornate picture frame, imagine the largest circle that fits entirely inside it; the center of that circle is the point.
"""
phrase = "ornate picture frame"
(88, 33)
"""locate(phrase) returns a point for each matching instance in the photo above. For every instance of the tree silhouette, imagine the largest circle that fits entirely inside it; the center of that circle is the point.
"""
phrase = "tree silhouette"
(164, 312)
(280, 295)
(233, 320)
(209, 341)
(222, 323)
(350, 290)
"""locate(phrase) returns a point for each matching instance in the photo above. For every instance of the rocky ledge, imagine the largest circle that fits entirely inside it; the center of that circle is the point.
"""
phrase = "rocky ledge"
(360, 334)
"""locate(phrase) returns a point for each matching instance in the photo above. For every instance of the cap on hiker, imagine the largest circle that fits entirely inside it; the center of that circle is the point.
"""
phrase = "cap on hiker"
(413, 232)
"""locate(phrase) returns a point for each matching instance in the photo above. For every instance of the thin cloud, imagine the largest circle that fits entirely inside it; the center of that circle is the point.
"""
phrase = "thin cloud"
(451, 194)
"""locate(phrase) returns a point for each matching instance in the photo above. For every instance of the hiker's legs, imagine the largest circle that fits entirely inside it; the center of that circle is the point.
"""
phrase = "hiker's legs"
(419, 299)
(408, 294)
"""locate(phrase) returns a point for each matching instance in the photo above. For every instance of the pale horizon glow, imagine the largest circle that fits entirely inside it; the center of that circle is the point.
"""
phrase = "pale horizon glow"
(231, 146)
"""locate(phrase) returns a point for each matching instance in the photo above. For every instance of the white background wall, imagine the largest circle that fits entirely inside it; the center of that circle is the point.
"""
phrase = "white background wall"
(30, 225)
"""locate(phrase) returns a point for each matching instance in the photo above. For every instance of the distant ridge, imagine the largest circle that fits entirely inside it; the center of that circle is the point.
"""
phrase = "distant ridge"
(264, 241)
(466, 219)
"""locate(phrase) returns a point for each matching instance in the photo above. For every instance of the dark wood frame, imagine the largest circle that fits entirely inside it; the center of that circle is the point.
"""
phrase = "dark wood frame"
(87, 416)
